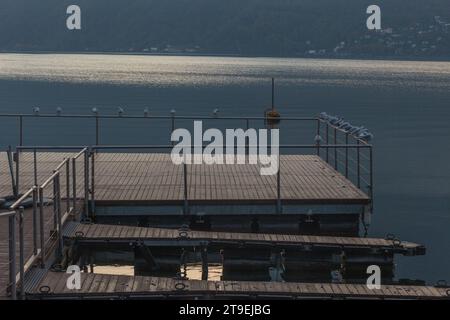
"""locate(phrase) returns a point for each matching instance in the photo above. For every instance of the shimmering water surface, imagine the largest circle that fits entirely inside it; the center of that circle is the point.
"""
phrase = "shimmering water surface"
(405, 104)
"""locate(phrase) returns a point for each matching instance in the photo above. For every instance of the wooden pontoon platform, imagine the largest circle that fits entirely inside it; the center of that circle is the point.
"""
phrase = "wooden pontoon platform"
(115, 234)
(100, 286)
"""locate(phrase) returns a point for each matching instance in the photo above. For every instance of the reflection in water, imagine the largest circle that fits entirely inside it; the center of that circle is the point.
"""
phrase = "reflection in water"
(115, 270)
(194, 271)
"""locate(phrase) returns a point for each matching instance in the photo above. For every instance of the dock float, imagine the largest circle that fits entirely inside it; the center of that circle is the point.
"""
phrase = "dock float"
(101, 286)
(113, 234)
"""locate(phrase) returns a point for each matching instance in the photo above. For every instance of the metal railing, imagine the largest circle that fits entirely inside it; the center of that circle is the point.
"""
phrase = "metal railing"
(96, 120)
(40, 203)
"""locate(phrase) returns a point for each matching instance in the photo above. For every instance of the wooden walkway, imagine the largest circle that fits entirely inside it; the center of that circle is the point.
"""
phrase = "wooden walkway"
(117, 233)
(53, 286)
(146, 177)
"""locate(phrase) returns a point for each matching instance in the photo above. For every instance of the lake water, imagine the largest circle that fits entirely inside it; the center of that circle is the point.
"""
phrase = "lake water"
(405, 104)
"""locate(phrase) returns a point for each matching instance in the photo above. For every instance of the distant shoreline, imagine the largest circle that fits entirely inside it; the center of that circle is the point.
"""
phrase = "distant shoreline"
(224, 55)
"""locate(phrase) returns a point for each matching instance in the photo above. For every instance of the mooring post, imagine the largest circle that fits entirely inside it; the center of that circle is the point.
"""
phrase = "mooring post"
(21, 255)
(35, 204)
(12, 256)
(41, 225)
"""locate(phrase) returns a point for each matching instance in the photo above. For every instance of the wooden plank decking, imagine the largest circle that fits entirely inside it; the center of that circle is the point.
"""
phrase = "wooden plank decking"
(147, 177)
(112, 233)
(114, 286)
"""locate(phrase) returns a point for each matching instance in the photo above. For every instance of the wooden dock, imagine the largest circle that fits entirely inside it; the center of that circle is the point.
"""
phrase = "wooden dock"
(100, 286)
(153, 178)
(98, 233)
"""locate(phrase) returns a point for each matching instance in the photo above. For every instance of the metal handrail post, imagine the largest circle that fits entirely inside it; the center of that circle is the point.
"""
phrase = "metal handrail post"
(279, 207)
(11, 171)
(35, 167)
(42, 225)
(12, 256)
(92, 184)
(86, 183)
(17, 158)
(35, 209)
(21, 255)
(346, 156)
(20, 130)
(74, 184)
(186, 204)
(67, 185)
(335, 150)
(58, 214)
(358, 163)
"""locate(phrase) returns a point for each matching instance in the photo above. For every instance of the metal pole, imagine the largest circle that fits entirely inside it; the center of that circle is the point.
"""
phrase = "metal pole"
(21, 255)
(35, 203)
(97, 129)
(35, 167)
(11, 171)
(67, 185)
(279, 208)
(17, 171)
(318, 135)
(371, 174)
(12, 256)
(74, 183)
(326, 141)
(204, 255)
(55, 206)
(358, 169)
(335, 150)
(41, 222)
(86, 183)
(20, 130)
(92, 183)
(186, 205)
(273, 94)
(59, 216)
(346, 155)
